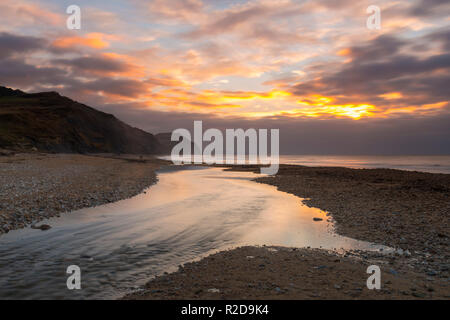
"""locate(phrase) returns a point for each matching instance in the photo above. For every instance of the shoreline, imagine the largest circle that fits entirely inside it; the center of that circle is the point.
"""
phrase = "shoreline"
(360, 202)
(37, 186)
(380, 201)
(385, 206)
(272, 273)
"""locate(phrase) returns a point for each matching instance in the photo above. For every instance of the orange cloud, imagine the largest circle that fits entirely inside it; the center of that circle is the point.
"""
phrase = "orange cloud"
(344, 52)
(91, 40)
(391, 95)
(20, 12)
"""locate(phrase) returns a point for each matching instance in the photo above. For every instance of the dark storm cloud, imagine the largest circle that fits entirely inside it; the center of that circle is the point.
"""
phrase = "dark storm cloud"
(16, 72)
(365, 75)
(123, 87)
(441, 36)
(93, 64)
(432, 88)
(12, 44)
(381, 47)
(378, 67)
(430, 7)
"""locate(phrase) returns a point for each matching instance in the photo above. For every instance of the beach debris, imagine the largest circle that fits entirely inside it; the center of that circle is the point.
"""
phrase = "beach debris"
(214, 290)
(317, 219)
(250, 257)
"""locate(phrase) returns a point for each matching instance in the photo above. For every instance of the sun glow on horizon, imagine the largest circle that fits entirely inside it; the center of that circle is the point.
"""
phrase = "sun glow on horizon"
(201, 59)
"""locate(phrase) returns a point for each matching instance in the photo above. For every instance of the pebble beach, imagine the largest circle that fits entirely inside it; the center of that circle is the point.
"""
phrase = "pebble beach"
(39, 186)
(407, 211)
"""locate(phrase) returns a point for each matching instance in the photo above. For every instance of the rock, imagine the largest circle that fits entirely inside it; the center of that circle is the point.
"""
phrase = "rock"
(42, 227)
(432, 273)
(418, 294)
(4, 152)
(214, 290)
(392, 271)
(320, 267)
(317, 219)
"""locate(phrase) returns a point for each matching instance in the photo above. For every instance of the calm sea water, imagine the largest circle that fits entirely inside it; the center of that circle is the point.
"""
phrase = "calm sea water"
(189, 213)
(434, 164)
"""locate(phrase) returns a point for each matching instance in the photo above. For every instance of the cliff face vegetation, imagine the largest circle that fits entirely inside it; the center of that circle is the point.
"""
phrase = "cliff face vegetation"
(50, 122)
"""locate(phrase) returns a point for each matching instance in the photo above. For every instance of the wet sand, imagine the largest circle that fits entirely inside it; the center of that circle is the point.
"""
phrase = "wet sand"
(288, 273)
(402, 209)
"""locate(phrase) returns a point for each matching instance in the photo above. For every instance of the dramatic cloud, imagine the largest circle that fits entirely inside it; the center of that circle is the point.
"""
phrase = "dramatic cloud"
(15, 44)
(91, 40)
(430, 7)
(378, 69)
(309, 67)
(17, 73)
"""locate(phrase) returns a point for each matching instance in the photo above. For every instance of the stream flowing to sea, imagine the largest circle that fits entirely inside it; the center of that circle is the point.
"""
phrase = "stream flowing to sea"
(191, 212)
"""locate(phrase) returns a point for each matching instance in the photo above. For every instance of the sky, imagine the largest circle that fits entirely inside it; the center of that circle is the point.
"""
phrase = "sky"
(309, 68)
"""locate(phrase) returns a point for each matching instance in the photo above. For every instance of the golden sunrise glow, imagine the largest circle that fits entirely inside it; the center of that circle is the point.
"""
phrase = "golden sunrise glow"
(344, 52)
(391, 95)
(92, 40)
(254, 95)
(354, 112)
(315, 100)
(183, 61)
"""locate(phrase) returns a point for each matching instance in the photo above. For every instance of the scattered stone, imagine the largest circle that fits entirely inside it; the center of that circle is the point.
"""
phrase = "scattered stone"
(392, 271)
(40, 186)
(418, 294)
(42, 227)
(320, 267)
(214, 290)
(295, 277)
